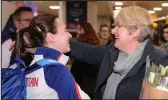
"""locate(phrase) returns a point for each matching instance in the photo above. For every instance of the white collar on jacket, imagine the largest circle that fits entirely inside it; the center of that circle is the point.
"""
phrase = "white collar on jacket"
(63, 59)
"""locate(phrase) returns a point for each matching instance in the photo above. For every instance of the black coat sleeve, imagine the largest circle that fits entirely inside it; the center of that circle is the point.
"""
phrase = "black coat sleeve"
(161, 57)
(87, 53)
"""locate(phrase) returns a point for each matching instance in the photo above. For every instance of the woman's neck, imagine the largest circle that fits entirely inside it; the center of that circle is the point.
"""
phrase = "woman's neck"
(130, 49)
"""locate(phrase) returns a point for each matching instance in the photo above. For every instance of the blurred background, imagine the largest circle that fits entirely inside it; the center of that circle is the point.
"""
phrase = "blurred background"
(97, 12)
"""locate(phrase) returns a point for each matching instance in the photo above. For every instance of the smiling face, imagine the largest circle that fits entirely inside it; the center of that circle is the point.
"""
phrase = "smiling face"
(60, 40)
(133, 26)
(63, 36)
(124, 38)
(104, 32)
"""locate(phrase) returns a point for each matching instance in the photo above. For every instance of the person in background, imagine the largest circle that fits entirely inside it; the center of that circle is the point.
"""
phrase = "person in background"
(18, 20)
(85, 74)
(48, 38)
(123, 62)
(86, 34)
(164, 38)
(156, 38)
(104, 35)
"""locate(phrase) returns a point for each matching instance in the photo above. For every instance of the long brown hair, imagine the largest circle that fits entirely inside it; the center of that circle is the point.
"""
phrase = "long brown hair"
(89, 35)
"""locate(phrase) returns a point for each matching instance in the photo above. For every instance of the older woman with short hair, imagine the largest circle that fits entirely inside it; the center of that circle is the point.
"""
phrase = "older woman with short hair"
(123, 62)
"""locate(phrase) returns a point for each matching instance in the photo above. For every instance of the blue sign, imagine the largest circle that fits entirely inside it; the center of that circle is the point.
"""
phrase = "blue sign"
(76, 12)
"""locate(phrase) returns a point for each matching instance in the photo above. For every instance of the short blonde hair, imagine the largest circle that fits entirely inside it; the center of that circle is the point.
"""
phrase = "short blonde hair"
(135, 17)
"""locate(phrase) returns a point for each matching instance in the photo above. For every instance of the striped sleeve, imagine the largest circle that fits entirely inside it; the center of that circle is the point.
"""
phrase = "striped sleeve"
(61, 80)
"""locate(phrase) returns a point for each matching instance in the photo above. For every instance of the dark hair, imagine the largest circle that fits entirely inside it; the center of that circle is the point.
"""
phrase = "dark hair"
(87, 27)
(104, 25)
(21, 9)
(39, 26)
(89, 35)
(156, 35)
(161, 35)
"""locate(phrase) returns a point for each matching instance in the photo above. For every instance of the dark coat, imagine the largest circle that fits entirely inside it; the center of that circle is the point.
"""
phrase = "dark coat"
(9, 31)
(130, 86)
(86, 74)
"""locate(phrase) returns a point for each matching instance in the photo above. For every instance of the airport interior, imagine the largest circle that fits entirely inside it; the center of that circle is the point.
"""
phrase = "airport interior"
(100, 20)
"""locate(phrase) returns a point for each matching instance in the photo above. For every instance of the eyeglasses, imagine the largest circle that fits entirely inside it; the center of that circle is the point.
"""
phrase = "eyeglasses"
(105, 30)
(165, 32)
(26, 20)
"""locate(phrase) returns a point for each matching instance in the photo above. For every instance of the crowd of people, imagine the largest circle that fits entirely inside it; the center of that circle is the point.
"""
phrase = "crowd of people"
(109, 64)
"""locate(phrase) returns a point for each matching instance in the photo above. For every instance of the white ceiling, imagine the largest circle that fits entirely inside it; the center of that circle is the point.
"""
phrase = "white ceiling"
(43, 6)
(149, 5)
(103, 6)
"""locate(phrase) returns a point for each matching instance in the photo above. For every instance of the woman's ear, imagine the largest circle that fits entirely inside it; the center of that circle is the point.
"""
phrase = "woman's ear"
(50, 37)
(136, 34)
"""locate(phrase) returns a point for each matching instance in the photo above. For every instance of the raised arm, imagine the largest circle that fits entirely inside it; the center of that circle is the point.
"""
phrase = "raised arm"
(88, 53)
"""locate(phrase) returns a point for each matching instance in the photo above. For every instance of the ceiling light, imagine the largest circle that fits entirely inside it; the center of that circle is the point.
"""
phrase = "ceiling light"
(117, 8)
(54, 7)
(151, 11)
(161, 18)
(164, 4)
(118, 3)
(35, 14)
(38, 1)
(157, 9)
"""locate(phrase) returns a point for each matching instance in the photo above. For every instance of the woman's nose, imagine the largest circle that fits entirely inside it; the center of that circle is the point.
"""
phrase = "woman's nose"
(114, 30)
(70, 36)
